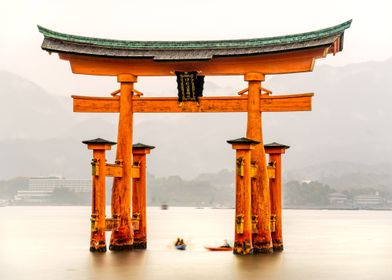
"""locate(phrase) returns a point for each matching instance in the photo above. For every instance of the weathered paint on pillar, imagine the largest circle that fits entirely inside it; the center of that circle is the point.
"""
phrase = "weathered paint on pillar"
(275, 151)
(122, 237)
(260, 184)
(98, 225)
(243, 213)
(139, 213)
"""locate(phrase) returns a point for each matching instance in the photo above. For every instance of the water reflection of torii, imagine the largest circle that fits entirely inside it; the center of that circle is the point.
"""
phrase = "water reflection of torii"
(258, 191)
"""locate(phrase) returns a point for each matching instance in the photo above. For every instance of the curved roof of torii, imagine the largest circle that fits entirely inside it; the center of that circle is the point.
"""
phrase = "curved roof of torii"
(192, 50)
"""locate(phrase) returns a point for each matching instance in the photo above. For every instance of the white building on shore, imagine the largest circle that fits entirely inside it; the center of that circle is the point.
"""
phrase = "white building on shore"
(40, 189)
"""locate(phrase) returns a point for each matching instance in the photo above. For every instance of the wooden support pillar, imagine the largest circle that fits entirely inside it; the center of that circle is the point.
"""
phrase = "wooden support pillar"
(260, 184)
(98, 225)
(139, 217)
(275, 151)
(243, 213)
(122, 237)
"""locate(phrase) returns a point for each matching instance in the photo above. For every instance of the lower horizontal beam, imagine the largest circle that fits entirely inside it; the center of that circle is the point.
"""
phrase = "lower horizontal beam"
(268, 103)
(271, 172)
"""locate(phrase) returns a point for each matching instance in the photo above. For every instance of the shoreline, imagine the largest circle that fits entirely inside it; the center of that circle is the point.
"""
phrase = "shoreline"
(212, 207)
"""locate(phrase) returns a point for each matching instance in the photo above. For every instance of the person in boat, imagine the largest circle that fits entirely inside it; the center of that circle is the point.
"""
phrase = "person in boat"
(225, 244)
(179, 242)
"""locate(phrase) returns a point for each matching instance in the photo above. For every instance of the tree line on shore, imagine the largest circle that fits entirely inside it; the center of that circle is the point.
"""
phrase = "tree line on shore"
(206, 190)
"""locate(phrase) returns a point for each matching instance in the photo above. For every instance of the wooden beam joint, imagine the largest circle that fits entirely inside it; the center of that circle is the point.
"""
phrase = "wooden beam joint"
(126, 78)
(253, 170)
(136, 170)
(271, 169)
(112, 224)
(259, 77)
(114, 170)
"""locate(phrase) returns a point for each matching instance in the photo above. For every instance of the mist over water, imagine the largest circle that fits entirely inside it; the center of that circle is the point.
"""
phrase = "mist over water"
(52, 243)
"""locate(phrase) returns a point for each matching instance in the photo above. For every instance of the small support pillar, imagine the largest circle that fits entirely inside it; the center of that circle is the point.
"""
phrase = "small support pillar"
(260, 184)
(122, 237)
(98, 225)
(275, 150)
(139, 217)
(243, 211)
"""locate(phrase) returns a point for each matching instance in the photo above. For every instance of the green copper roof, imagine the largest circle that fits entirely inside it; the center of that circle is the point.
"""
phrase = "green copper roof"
(189, 50)
(142, 146)
(99, 141)
(243, 140)
(197, 44)
(276, 145)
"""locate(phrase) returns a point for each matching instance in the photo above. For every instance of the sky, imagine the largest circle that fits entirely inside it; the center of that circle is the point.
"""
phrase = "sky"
(368, 38)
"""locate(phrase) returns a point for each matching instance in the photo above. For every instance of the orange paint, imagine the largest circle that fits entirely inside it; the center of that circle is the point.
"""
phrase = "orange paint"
(122, 237)
(243, 208)
(275, 103)
(260, 185)
(98, 223)
(139, 211)
(276, 194)
(275, 63)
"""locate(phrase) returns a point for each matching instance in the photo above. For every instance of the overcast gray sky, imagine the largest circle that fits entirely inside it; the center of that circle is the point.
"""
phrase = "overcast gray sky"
(369, 37)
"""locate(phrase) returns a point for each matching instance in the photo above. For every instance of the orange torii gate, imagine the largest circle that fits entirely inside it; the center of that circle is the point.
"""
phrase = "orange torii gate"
(258, 190)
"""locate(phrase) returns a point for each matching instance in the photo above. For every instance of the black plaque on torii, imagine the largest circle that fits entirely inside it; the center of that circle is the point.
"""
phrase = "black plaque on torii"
(190, 86)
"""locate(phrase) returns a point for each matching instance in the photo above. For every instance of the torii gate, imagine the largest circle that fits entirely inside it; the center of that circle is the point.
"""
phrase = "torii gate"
(251, 58)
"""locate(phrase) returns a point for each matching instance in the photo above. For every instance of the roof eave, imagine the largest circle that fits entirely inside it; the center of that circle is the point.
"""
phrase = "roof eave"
(196, 46)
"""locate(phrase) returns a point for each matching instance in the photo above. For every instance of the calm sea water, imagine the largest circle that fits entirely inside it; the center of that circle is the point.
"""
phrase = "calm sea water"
(52, 243)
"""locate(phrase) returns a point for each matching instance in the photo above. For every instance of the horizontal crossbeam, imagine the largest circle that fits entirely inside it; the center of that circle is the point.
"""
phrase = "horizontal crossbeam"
(268, 103)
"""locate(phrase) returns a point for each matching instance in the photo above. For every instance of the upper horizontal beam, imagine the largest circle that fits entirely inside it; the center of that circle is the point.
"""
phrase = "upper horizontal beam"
(279, 103)
(272, 63)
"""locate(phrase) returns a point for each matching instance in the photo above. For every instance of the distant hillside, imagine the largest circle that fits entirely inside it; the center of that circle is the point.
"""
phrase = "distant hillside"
(345, 175)
(350, 119)
(202, 191)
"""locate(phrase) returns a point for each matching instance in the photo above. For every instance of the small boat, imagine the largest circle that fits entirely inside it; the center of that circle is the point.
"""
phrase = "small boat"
(164, 206)
(220, 248)
(180, 244)
(181, 247)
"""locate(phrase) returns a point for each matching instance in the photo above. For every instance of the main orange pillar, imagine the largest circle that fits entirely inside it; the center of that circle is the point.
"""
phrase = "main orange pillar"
(243, 213)
(122, 237)
(139, 213)
(98, 225)
(275, 150)
(260, 185)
